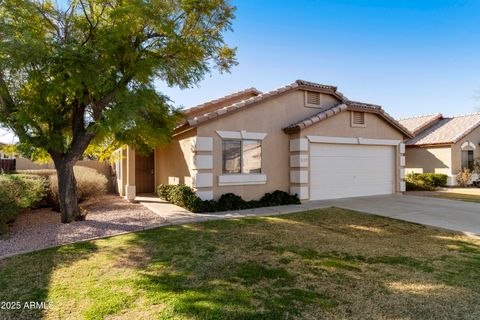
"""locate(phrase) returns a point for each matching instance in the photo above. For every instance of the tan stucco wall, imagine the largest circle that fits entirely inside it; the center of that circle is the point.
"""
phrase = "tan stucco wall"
(473, 137)
(174, 159)
(339, 126)
(271, 117)
(429, 160)
(375, 128)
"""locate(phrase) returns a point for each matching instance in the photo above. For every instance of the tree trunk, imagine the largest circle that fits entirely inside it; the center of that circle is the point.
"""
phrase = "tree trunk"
(67, 191)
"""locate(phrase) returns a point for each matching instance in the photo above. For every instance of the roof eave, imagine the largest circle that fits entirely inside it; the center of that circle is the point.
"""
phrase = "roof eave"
(373, 109)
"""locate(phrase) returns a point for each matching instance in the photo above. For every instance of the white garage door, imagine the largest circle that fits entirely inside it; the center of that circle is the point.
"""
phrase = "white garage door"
(342, 170)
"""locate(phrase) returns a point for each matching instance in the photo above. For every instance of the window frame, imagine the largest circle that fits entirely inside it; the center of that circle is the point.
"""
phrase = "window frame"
(241, 157)
(466, 158)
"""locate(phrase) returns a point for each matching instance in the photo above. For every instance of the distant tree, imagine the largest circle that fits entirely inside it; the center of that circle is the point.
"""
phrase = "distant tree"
(83, 71)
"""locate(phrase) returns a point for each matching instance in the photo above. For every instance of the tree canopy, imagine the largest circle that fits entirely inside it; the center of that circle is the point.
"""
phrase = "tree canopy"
(84, 71)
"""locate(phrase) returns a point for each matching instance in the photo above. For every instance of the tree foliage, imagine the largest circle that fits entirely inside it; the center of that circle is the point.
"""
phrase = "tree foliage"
(84, 72)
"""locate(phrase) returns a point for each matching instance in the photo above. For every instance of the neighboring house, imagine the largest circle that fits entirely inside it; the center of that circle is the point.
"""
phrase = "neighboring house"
(304, 138)
(3, 155)
(442, 144)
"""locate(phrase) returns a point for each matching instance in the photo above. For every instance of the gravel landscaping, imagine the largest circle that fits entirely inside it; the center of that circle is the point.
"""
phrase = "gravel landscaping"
(107, 215)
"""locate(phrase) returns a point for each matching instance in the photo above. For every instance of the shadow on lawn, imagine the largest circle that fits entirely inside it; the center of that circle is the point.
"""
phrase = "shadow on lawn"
(199, 272)
(326, 263)
(26, 278)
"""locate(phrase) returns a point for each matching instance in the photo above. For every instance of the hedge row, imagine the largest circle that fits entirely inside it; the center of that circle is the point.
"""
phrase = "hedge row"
(18, 192)
(425, 181)
(185, 197)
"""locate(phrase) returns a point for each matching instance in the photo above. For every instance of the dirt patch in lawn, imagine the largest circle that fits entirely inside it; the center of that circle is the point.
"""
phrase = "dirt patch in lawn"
(107, 215)
(321, 264)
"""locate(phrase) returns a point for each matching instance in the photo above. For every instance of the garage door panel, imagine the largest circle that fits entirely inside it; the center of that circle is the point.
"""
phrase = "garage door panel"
(338, 171)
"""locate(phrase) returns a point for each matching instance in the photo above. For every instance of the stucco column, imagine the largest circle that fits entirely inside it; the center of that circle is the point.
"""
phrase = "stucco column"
(123, 172)
(299, 166)
(402, 162)
(202, 167)
(130, 190)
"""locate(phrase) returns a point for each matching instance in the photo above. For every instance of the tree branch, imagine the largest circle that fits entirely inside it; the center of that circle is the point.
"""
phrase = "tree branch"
(6, 100)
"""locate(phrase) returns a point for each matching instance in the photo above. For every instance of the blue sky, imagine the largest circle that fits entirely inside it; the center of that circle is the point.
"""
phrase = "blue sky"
(411, 57)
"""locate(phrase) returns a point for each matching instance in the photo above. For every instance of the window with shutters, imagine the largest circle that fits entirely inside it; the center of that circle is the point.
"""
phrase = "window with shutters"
(313, 99)
(358, 119)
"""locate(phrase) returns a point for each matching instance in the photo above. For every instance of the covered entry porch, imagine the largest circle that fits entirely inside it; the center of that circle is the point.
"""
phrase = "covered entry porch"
(135, 173)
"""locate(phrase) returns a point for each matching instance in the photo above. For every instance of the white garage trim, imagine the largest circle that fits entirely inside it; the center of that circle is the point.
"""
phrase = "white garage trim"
(359, 140)
(351, 170)
(324, 139)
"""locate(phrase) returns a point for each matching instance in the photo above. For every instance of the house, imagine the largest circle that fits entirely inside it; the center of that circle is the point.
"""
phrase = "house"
(442, 144)
(304, 138)
(3, 154)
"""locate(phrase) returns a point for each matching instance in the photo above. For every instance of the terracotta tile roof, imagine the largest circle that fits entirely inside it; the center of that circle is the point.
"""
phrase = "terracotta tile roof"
(419, 123)
(250, 91)
(197, 119)
(324, 114)
(345, 106)
(447, 131)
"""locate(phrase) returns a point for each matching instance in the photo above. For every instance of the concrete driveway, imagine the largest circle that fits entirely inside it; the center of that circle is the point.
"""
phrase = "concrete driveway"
(448, 214)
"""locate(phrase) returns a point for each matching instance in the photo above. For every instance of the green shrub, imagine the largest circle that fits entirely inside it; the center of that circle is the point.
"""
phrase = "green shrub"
(230, 201)
(184, 196)
(90, 183)
(181, 195)
(278, 198)
(163, 191)
(19, 192)
(425, 181)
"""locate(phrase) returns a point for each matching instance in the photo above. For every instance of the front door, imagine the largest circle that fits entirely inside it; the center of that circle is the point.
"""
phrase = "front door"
(144, 173)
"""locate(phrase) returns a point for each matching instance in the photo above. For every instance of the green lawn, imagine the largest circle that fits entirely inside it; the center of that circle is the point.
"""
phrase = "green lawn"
(329, 263)
(459, 196)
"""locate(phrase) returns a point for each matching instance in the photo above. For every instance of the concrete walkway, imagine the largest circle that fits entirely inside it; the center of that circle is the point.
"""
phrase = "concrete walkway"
(442, 213)
(177, 215)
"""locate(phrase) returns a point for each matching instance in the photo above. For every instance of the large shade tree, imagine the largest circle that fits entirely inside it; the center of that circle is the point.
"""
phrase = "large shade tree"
(78, 72)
